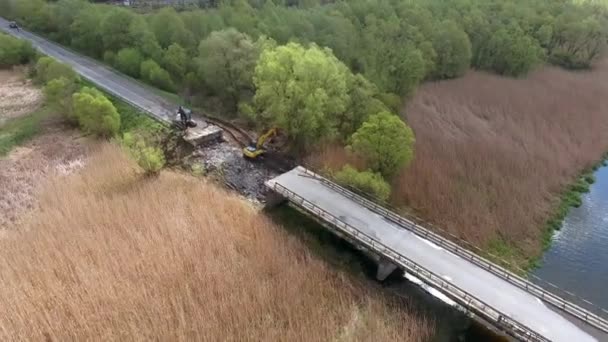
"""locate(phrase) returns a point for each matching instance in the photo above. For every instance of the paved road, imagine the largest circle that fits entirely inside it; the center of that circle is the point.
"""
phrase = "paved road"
(500, 294)
(118, 85)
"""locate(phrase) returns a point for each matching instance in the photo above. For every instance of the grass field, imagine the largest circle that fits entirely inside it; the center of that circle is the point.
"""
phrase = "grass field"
(175, 258)
(494, 155)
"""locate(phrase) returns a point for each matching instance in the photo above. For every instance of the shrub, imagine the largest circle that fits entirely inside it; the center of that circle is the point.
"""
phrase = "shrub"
(14, 51)
(385, 142)
(128, 60)
(48, 69)
(58, 93)
(150, 158)
(95, 113)
(368, 182)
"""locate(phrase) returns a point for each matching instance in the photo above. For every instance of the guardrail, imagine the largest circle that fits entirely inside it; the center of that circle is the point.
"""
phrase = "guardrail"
(469, 301)
(573, 309)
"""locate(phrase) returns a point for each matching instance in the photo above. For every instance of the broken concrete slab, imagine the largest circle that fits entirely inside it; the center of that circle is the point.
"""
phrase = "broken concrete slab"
(203, 134)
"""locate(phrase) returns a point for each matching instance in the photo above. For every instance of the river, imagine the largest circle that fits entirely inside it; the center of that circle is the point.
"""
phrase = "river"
(577, 260)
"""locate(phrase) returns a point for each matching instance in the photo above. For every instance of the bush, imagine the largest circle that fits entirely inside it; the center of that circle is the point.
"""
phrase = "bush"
(385, 142)
(58, 93)
(14, 51)
(151, 159)
(157, 76)
(95, 113)
(368, 182)
(48, 69)
(128, 60)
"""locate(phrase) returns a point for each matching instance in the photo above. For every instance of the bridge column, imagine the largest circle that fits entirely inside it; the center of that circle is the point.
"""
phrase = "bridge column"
(273, 199)
(385, 268)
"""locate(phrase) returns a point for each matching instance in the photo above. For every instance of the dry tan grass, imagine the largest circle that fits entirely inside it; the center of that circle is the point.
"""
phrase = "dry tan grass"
(493, 153)
(57, 150)
(114, 256)
(17, 95)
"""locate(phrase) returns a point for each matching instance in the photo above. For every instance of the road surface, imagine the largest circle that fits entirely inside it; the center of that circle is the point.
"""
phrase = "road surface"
(129, 90)
(491, 289)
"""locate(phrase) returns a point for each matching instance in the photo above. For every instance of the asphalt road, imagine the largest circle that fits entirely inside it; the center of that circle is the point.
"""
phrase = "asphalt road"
(128, 89)
(496, 292)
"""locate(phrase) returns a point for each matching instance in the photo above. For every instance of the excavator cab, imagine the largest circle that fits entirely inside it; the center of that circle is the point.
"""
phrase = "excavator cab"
(256, 149)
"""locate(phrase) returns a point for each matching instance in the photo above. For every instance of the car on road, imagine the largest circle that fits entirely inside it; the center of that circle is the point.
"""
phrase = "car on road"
(13, 25)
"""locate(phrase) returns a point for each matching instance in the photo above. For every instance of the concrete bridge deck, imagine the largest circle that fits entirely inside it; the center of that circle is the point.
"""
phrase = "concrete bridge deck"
(499, 297)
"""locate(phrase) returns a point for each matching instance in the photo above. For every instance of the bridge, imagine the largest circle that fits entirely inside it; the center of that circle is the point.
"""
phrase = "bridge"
(486, 290)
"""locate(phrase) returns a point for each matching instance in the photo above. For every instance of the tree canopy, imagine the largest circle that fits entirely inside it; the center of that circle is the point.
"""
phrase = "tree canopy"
(385, 142)
(300, 90)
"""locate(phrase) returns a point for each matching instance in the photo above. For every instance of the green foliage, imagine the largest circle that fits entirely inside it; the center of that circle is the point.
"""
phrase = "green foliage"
(511, 52)
(85, 33)
(150, 158)
(368, 182)
(385, 142)
(300, 90)
(48, 69)
(226, 64)
(115, 28)
(175, 60)
(364, 100)
(151, 72)
(58, 94)
(14, 51)
(169, 28)
(95, 113)
(128, 60)
(453, 50)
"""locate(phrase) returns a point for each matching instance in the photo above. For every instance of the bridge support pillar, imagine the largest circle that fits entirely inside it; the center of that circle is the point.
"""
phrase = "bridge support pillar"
(273, 199)
(385, 268)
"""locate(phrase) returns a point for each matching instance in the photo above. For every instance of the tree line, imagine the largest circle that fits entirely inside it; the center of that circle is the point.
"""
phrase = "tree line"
(324, 70)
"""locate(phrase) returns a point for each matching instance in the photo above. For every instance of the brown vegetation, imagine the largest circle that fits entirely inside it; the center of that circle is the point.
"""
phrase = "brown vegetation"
(115, 256)
(17, 95)
(493, 153)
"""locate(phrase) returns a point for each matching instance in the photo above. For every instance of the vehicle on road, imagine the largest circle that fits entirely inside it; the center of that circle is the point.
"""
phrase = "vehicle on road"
(13, 25)
(256, 149)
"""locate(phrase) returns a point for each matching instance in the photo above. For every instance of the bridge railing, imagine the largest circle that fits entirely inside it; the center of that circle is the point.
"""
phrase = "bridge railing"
(573, 309)
(469, 301)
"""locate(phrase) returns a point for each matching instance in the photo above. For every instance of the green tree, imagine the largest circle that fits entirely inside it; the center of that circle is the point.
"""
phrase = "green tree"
(95, 113)
(300, 90)
(511, 52)
(169, 28)
(453, 50)
(385, 142)
(152, 72)
(63, 14)
(14, 51)
(175, 60)
(115, 29)
(226, 63)
(128, 60)
(48, 69)
(363, 102)
(370, 183)
(85, 32)
(144, 40)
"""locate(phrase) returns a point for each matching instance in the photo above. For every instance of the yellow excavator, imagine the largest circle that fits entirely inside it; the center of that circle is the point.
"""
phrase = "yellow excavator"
(256, 148)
